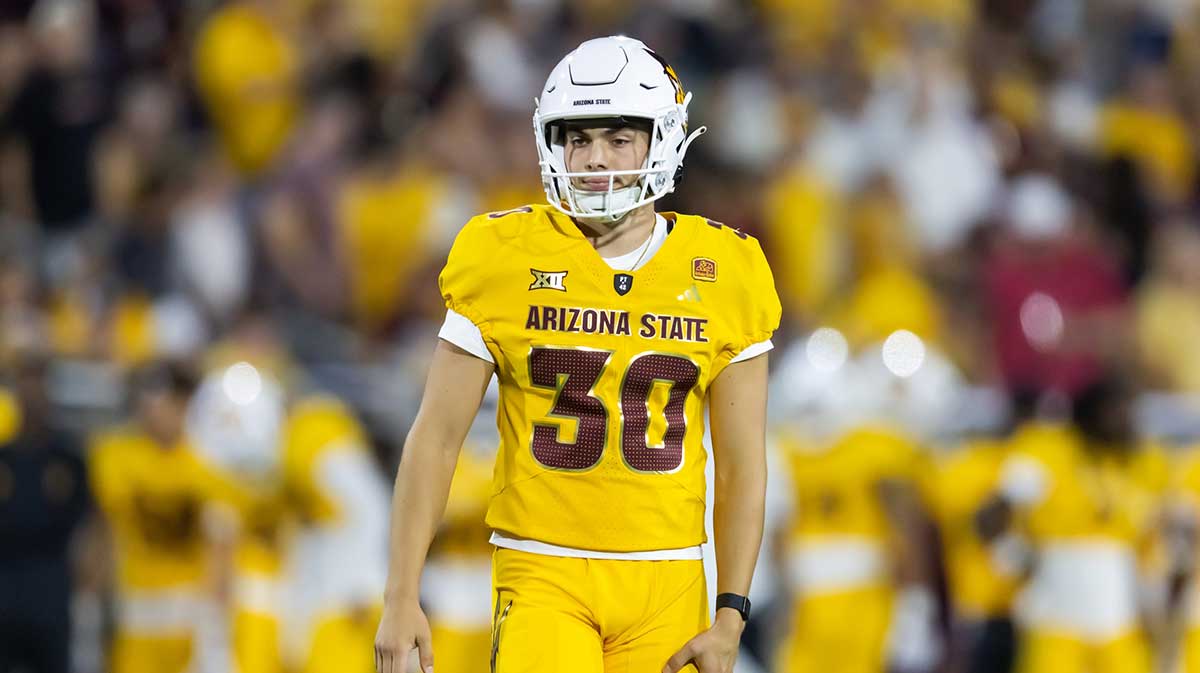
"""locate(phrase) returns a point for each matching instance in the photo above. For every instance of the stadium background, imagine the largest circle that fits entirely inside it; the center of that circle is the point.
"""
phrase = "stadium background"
(974, 211)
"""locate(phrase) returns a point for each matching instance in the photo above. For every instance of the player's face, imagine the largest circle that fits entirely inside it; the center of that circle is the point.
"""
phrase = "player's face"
(162, 414)
(605, 149)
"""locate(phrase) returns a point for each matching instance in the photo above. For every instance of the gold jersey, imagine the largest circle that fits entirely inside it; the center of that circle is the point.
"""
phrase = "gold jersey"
(1091, 496)
(965, 481)
(318, 427)
(838, 488)
(463, 533)
(153, 498)
(604, 374)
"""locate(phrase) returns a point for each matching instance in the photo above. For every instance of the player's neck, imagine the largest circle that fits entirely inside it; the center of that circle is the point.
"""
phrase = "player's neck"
(623, 236)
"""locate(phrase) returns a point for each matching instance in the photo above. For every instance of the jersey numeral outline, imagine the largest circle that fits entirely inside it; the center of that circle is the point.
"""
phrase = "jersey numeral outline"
(573, 374)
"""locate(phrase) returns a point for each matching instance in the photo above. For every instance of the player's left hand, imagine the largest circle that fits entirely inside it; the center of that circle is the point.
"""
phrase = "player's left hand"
(714, 650)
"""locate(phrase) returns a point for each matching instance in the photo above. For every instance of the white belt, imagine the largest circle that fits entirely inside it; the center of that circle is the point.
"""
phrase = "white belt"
(535, 547)
(829, 564)
(1085, 587)
(258, 593)
(169, 612)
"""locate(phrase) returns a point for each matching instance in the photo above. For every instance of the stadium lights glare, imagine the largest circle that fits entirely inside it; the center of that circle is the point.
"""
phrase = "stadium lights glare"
(242, 383)
(1042, 321)
(903, 353)
(826, 349)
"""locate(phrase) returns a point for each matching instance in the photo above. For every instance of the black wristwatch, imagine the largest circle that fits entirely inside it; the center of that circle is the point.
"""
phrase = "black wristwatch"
(739, 603)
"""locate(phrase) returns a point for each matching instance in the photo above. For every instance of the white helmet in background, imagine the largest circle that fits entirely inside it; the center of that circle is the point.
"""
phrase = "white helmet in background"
(612, 78)
(234, 422)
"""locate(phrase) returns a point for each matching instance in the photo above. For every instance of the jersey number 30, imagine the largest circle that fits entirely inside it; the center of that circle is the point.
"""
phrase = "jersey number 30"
(573, 373)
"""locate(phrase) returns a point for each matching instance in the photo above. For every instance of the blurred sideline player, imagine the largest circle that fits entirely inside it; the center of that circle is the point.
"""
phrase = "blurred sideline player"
(309, 560)
(855, 548)
(609, 328)
(1184, 591)
(152, 491)
(983, 576)
(1088, 499)
(853, 513)
(456, 584)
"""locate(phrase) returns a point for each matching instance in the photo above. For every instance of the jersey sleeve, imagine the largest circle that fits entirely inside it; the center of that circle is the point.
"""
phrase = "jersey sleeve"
(465, 277)
(761, 311)
(756, 313)
(460, 331)
(753, 350)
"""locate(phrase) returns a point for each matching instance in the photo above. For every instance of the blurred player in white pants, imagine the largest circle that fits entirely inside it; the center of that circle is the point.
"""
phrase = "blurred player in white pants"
(310, 560)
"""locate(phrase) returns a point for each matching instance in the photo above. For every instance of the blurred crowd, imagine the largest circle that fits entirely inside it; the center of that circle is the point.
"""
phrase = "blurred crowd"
(221, 223)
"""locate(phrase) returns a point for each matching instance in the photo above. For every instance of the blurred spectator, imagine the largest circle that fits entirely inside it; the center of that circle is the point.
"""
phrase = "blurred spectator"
(43, 498)
(144, 33)
(888, 292)
(22, 322)
(211, 249)
(1168, 311)
(937, 143)
(1145, 125)
(248, 71)
(803, 220)
(58, 115)
(1052, 292)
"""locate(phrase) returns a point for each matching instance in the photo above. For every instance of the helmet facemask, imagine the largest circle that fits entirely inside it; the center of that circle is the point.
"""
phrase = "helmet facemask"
(656, 177)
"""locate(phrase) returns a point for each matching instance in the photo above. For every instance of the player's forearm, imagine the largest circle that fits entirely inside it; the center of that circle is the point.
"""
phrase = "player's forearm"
(738, 508)
(738, 411)
(422, 488)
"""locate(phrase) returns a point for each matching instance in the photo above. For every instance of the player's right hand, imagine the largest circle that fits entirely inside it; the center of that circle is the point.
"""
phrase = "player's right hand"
(402, 629)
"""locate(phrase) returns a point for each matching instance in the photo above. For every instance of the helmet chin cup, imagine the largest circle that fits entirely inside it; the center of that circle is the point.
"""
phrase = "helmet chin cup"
(605, 207)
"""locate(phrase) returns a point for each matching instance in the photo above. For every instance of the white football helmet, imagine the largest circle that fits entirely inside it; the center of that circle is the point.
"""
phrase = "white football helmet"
(619, 78)
(235, 421)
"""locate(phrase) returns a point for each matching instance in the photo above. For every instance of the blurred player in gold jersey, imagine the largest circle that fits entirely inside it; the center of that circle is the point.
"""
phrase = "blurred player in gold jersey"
(983, 576)
(1088, 499)
(855, 511)
(1184, 591)
(457, 579)
(309, 562)
(152, 490)
(857, 548)
(609, 328)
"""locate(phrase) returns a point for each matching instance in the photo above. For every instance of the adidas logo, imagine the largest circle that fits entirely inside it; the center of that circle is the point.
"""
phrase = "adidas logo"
(691, 294)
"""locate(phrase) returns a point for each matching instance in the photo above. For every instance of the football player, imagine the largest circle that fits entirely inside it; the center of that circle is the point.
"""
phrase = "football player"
(1089, 500)
(458, 570)
(610, 328)
(152, 490)
(308, 566)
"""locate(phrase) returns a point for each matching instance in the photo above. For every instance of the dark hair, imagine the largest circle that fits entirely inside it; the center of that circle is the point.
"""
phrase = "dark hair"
(1101, 410)
(177, 378)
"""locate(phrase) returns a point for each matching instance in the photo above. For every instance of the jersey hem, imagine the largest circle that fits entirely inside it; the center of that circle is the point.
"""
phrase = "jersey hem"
(693, 553)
